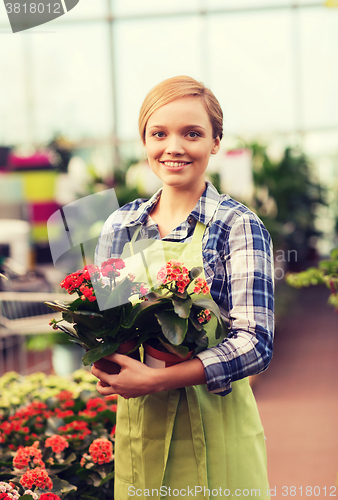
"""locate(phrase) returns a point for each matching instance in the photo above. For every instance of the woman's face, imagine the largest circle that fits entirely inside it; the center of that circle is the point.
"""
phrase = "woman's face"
(179, 142)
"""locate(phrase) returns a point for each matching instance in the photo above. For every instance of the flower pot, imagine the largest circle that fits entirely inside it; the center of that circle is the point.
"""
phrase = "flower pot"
(155, 358)
(113, 368)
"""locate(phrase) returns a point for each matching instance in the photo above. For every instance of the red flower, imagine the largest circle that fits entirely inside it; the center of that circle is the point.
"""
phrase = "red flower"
(101, 451)
(28, 456)
(97, 404)
(65, 395)
(4, 496)
(117, 263)
(111, 267)
(109, 271)
(174, 272)
(72, 282)
(91, 272)
(49, 496)
(57, 443)
(88, 293)
(77, 429)
(88, 413)
(37, 477)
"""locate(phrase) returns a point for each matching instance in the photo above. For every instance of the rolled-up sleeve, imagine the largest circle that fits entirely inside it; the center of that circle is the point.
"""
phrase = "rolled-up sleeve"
(249, 299)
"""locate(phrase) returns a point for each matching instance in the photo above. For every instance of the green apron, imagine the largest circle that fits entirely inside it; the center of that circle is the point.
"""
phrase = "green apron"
(196, 443)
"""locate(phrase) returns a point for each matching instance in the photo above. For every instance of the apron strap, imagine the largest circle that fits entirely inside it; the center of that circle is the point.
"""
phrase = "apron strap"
(197, 432)
(133, 240)
(198, 232)
(172, 404)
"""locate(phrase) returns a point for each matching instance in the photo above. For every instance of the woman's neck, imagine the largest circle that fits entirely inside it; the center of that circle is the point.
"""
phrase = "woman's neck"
(174, 207)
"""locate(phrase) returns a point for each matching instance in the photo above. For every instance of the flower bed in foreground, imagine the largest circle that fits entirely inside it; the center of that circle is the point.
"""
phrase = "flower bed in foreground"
(56, 438)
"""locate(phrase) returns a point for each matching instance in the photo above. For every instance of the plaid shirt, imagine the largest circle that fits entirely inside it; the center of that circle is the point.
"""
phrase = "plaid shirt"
(238, 265)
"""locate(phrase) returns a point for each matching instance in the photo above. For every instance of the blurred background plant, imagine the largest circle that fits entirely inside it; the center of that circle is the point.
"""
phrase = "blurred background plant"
(287, 197)
(325, 274)
(65, 427)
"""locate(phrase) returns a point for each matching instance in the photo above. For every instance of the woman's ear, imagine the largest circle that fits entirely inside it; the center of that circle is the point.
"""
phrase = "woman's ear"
(216, 146)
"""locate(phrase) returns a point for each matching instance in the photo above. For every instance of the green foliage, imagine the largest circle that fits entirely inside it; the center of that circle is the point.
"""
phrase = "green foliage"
(287, 198)
(325, 274)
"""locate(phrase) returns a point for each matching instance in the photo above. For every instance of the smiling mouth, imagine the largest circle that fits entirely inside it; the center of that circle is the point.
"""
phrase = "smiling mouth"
(175, 164)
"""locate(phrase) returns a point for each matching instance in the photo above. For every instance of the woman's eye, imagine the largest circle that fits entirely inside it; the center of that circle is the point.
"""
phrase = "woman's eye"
(193, 135)
(158, 134)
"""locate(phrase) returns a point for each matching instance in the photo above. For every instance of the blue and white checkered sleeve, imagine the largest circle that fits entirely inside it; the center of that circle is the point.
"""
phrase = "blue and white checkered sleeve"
(105, 242)
(249, 284)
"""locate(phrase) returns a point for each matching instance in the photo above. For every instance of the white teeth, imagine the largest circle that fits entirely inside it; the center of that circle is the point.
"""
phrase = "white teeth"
(173, 164)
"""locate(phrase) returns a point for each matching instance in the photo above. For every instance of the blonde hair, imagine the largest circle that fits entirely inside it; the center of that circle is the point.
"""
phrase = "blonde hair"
(175, 88)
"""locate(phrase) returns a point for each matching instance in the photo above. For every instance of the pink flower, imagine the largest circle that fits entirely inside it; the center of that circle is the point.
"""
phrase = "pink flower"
(201, 286)
(174, 272)
(204, 316)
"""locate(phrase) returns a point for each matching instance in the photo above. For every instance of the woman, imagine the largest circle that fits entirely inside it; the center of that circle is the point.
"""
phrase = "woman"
(193, 429)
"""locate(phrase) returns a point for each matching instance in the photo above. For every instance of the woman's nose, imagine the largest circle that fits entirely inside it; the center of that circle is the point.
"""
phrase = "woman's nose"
(174, 146)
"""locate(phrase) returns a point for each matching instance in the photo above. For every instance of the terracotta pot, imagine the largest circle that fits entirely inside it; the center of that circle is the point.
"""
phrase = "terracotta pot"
(160, 359)
(113, 368)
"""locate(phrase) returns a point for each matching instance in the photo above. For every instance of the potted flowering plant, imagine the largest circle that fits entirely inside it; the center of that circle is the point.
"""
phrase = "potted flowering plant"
(174, 314)
(100, 312)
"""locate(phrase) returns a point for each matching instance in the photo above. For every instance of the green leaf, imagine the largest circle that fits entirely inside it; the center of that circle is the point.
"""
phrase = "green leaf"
(68, 331)
(107, 478)
(141, 309)
(57, 306)
(99, 352)
(173, 327)
(182, 307)
(120, 294)
(197, 325)
(89, 319)
(62, 486)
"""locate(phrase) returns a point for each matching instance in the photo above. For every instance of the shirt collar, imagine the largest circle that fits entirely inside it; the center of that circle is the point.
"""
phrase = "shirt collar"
(203, 211)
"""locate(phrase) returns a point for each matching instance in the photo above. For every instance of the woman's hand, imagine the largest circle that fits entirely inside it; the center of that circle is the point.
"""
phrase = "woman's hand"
(137, 379)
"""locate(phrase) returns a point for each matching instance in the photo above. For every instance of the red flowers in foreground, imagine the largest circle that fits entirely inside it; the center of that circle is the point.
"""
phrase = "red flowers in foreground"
(101, 451)
(37, 477)
(49, 496)
(28, 456)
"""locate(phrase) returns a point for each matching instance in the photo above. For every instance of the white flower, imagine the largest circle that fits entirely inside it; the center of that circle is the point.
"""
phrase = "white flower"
(30, 492)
